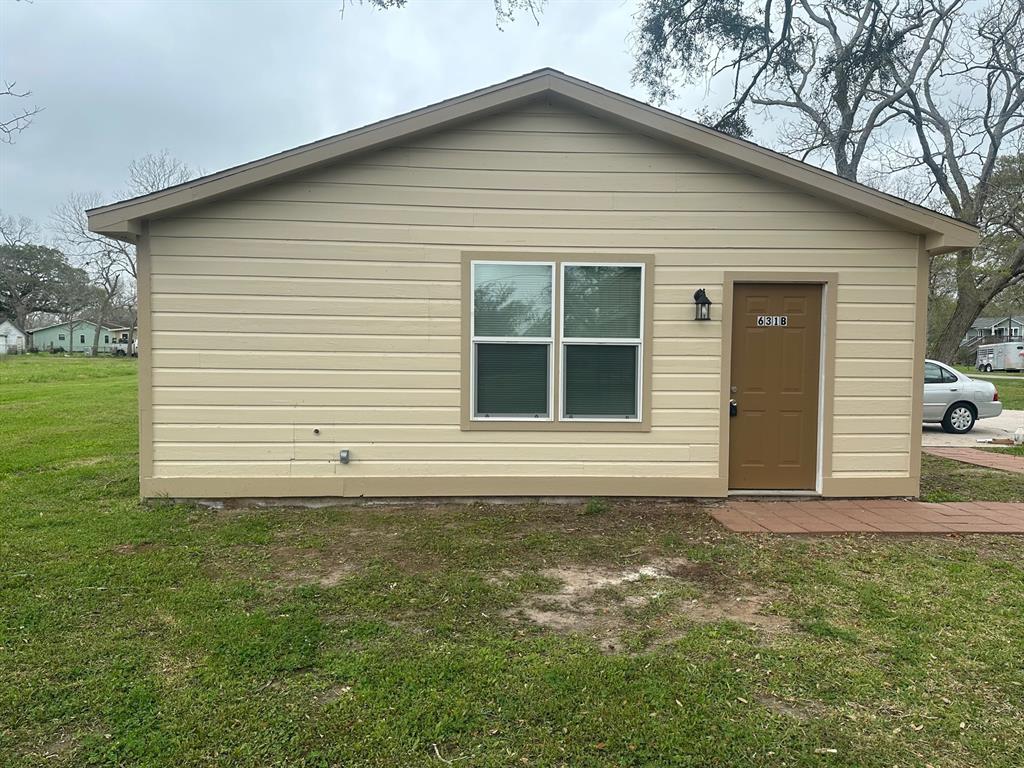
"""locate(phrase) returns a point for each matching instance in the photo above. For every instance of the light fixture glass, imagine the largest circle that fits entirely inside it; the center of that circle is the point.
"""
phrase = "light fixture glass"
(702, 305)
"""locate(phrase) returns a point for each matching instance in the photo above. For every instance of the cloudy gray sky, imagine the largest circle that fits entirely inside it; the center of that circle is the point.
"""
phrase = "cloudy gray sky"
(219, 83)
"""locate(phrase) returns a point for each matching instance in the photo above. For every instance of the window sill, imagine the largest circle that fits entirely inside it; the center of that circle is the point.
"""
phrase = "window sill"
(487, 425)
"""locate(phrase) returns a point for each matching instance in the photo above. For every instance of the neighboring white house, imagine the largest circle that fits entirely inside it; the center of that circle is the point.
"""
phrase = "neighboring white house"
(12, 338)
(985, 327)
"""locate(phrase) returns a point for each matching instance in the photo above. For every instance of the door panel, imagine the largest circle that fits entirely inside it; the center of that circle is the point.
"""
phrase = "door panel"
(941, 388)
(775, 369)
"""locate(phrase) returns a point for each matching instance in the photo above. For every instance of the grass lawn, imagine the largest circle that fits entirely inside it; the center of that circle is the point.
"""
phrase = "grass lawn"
(971, 371)
(1011, 392)
(1010, 386)
(946, 480)
(1014, 450)
(607, 634)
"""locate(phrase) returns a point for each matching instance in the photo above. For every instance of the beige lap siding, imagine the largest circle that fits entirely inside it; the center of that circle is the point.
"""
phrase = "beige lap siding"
(331, 302)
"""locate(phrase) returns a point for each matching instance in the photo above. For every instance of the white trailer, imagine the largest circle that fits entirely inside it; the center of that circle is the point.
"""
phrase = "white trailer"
(121, 348)
(1006, 356)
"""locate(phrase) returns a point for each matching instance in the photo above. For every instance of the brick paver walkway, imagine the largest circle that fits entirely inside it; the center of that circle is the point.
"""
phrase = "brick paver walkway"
(870, 516)
(992, 459)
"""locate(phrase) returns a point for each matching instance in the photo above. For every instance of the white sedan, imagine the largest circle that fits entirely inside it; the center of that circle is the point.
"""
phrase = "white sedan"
(956, 401)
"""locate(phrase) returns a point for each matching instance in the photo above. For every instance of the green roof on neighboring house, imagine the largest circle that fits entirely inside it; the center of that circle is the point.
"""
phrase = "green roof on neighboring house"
(77, 323)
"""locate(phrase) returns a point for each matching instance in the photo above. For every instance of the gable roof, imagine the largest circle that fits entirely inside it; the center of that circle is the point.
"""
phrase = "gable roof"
(988, 322)
(77, 323)
(942, 233)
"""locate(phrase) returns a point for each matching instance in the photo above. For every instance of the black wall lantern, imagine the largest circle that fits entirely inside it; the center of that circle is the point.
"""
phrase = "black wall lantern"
(702, 304)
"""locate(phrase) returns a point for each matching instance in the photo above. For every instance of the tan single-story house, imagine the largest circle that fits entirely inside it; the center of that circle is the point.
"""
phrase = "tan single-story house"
(500, 295)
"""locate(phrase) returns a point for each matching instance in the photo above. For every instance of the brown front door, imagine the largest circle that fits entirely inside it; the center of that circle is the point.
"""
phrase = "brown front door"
(776, 344)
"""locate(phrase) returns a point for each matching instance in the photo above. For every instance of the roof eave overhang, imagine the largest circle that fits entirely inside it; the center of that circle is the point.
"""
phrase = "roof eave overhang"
(938, 243)
(942, 234)
(126, 230)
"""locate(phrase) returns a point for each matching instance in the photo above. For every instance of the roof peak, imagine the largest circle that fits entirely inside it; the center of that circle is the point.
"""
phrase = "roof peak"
(76, 321)
(943, 233)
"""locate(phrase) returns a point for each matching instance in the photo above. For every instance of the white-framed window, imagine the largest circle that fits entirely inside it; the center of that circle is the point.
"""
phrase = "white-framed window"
(598, 337)
(601, 341)
(512, 330)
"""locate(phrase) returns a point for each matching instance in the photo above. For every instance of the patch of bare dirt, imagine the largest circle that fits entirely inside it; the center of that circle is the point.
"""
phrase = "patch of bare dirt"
(61, 746)
(331, 695)
(801, 711)
(334, 575)
(504, 576)
(745, 609)
(598, 602)
(622, 516)
(700, 573)
(303, 565)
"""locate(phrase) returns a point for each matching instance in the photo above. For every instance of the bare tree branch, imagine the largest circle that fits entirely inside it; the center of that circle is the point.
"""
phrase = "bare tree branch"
(22, 119)
(921, 96)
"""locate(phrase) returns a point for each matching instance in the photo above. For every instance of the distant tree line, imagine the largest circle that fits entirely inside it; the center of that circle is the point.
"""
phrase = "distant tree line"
(79, 275)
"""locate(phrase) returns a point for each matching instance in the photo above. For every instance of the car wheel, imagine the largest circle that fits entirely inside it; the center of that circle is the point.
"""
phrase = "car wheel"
(959, 420)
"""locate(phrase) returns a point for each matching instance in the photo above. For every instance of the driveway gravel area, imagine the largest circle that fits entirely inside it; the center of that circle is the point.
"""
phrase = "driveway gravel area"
(1003, 425)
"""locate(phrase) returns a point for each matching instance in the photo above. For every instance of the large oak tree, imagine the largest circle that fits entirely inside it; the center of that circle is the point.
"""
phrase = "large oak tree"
(33, 278)
(921, 97)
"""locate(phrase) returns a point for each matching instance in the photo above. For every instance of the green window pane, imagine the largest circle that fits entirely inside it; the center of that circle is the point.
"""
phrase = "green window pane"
(512, 299)
(512, 380)
(600, 381)
(602, 302)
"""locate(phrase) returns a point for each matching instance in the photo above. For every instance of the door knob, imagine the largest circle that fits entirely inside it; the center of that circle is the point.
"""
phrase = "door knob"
(733, 407)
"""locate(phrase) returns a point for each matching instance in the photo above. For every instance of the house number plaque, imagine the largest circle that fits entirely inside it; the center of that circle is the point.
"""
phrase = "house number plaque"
(767, 321)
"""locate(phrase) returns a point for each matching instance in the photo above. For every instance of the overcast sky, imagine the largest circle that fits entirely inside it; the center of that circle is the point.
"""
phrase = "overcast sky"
(221, 83)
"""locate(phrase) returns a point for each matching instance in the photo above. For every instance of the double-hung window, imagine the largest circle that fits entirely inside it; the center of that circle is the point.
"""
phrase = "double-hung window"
(512, 340)
(557, 341)
(601, 341)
